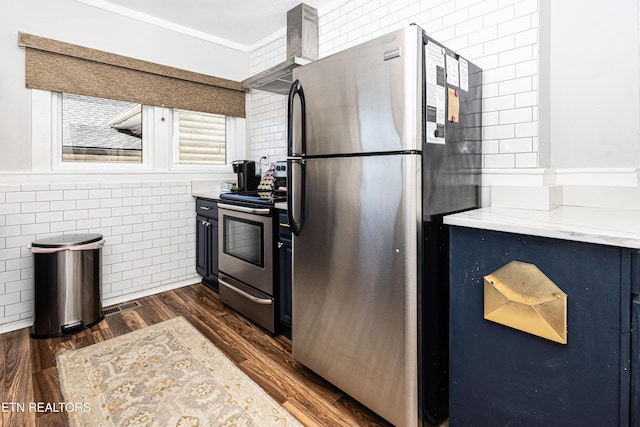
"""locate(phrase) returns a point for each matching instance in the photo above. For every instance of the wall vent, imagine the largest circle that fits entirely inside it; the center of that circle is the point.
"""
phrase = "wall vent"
(121, 307)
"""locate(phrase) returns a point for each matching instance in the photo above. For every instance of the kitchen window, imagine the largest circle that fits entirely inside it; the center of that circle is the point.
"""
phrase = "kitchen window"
(96, 135)
(100, 130)
(93, 134)
(53, 67)
(199, 138)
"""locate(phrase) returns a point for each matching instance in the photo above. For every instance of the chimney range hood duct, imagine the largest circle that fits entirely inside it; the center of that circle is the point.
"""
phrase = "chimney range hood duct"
(302, 48)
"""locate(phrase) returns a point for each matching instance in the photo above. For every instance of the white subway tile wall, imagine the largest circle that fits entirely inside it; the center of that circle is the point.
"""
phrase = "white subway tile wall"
(268, 112)
(501, 36)
(149, 229)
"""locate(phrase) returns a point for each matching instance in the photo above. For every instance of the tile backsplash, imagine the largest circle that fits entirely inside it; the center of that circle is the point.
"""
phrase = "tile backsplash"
(149, 228)
(499, 36)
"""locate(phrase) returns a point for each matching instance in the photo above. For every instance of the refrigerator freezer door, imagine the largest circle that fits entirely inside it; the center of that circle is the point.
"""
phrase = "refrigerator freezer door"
(356, 278)
(364, 99)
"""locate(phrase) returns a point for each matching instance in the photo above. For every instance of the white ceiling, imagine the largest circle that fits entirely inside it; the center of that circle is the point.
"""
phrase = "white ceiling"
(236, 23)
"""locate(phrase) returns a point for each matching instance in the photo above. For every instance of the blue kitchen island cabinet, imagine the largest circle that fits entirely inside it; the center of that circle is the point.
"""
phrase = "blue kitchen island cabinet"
(500, 376)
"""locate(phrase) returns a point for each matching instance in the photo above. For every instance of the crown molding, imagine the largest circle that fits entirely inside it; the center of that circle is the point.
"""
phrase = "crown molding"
(143, 17)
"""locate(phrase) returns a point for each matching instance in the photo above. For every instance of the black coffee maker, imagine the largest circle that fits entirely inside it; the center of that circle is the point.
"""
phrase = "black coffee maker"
(246, 171)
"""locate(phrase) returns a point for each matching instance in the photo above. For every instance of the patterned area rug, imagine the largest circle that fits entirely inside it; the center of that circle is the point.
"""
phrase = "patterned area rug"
(163, 375)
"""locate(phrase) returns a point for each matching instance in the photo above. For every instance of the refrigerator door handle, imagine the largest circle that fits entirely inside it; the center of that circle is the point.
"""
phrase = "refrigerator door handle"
(296, 88)
(295, 224)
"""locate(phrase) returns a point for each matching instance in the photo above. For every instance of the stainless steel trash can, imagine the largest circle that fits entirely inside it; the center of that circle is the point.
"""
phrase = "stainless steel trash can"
(68, 284)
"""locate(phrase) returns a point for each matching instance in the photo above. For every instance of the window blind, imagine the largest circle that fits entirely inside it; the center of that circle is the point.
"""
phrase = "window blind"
(63, 67)
(201, 137)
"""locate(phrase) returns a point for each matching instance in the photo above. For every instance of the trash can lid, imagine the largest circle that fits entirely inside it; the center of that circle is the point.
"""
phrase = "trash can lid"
(67, 240)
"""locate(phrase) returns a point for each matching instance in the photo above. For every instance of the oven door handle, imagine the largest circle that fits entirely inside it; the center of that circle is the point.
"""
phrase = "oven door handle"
(263, 301)
(257, 211)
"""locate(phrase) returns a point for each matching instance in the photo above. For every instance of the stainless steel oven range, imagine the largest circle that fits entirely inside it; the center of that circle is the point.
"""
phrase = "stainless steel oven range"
(246, 255)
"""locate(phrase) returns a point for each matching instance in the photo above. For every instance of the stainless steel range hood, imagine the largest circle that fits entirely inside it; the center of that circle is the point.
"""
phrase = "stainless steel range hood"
(302, 48)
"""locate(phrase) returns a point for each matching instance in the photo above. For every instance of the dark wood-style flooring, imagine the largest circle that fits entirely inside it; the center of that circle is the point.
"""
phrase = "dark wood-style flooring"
(28, 372)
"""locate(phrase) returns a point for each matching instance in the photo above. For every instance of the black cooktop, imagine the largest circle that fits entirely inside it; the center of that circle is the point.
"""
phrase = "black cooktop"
(257, 197)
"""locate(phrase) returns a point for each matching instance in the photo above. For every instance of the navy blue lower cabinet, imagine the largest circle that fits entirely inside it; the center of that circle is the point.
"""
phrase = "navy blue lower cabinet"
(500, 376)
(207, 242)
(635, 339)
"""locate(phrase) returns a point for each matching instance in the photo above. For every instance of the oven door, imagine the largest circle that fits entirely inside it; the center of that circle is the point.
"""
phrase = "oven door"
(246, 245)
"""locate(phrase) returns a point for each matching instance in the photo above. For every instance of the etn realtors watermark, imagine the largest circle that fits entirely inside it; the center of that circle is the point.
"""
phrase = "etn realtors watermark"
(44, 407)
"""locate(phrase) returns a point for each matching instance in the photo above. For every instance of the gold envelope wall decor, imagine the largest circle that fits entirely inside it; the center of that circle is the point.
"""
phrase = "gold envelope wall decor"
(522, 297)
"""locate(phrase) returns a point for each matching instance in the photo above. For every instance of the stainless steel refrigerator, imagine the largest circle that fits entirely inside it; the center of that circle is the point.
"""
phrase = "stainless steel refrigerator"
(383, 140)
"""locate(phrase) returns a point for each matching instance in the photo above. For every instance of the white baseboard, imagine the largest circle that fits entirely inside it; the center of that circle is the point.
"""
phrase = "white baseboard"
(27, 323)
(14, 326)
(146, 292)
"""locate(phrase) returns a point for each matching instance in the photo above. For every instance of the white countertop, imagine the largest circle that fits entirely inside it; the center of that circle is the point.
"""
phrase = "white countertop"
(214, 195)
(206, 189)
(614, 227)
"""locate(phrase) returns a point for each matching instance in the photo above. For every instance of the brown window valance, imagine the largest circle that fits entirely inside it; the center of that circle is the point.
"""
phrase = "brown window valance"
(63, 67)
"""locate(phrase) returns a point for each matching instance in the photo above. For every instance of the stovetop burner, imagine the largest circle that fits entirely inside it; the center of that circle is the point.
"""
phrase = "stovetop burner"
(256, 196)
